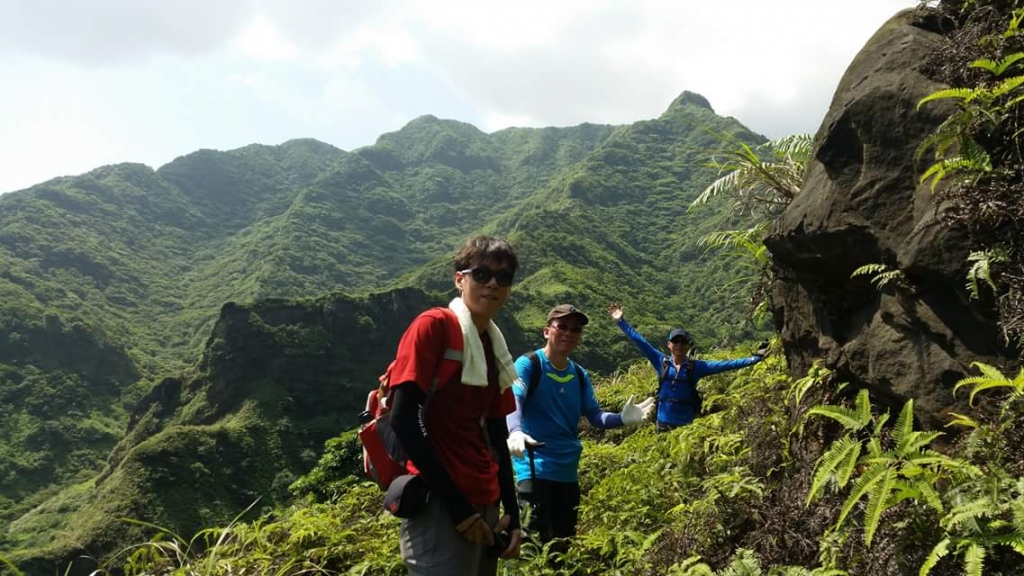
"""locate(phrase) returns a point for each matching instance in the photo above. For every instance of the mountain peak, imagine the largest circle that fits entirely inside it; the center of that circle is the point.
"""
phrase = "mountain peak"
(688, 98)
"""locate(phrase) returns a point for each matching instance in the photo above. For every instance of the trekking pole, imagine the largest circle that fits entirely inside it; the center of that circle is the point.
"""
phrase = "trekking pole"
(530, 447)
(533, 500)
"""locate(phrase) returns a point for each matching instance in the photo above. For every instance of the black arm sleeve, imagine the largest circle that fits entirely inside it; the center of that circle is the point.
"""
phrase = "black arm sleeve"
(497, 433)
(405, 420)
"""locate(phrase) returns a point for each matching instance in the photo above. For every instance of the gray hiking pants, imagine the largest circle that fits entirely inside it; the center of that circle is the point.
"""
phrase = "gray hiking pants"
(431, 546)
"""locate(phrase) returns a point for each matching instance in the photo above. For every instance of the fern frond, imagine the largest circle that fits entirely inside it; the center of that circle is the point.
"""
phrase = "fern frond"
(966, 513)
(989, 385)
(946, 135)
(1018, 546)
(916, 441)
(880, 422)
(937, 553)
(845, 416)
(717, 187)
(991, 378)
(871, 477)
(874, 268)
(877, 503)
(842, 451)
(863, 406)
(931, 496)
(962, 93)
(974, 560)
(904, 426)
(943, 168)
(1007, 86)
(984, 64)
(692, 566)
(962, 420)
(796, 146)
(744, 563)
(875, 448)
(989, 371)
(1013, 102)
(926, 457)
(997, 68)
(981, 270)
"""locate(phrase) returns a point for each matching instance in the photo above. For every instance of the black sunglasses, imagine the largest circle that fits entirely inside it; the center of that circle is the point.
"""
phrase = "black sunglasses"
(483, 275)
(680, 341)
(567, 328)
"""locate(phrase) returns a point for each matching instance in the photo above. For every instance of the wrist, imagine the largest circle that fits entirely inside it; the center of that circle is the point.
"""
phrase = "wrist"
(460, 510)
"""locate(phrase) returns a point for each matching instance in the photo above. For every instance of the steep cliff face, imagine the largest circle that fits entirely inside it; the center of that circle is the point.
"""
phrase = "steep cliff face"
(862, 204)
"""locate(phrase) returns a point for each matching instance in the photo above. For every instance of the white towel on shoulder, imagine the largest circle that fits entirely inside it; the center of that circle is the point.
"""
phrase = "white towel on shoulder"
(474, 364)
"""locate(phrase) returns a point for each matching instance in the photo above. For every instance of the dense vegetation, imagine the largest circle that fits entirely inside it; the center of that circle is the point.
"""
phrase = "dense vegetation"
(748, 489)
(976, 162)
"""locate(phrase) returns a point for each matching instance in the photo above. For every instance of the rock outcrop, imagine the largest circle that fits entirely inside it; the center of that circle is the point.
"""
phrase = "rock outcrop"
(862, 204)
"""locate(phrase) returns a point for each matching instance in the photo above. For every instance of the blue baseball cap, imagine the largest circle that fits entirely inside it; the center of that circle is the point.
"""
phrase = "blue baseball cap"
(679, 333)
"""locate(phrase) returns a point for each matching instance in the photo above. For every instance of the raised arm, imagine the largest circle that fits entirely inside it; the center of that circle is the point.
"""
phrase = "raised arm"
(650, 352)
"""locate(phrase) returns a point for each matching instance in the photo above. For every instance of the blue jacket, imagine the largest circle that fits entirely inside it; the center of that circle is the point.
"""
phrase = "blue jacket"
(677, 390)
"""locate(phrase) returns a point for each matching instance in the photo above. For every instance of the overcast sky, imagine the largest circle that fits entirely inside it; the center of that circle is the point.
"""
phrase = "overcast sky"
(88, 83)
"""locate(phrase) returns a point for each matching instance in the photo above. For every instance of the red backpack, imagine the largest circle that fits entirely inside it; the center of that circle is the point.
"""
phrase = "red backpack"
(383, 456)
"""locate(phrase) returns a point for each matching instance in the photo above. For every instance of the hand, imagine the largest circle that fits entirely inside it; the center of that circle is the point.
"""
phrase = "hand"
(762, 349)
(517, 443)
(616, 312)
(515, 538)
(633, 414)
(476, 531)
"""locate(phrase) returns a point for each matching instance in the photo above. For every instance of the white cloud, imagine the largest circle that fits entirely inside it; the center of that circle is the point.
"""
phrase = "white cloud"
(262, 40)
(390, 46)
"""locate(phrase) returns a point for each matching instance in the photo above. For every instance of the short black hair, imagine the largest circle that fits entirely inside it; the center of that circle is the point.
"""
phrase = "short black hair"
(480, 250)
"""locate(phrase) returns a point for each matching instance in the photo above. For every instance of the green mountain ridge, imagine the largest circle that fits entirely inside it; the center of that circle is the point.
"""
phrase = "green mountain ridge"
(142, 260)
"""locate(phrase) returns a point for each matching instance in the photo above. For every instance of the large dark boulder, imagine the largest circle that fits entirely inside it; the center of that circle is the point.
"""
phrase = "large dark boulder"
(862, 204)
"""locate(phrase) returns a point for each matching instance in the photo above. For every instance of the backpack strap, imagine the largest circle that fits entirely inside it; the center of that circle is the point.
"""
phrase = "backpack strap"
(452, 330)
(534, 372)
(452, 351)
(662, 372)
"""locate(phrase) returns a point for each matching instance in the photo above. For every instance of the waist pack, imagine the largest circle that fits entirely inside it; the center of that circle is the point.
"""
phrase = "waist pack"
(384, 459)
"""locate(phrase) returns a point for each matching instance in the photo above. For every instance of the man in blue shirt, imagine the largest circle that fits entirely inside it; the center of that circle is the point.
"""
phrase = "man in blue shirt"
(548, 410)
(679, 401)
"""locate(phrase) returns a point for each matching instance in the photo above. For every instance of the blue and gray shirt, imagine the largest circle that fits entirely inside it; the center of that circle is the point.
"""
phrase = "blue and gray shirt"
(552, 415)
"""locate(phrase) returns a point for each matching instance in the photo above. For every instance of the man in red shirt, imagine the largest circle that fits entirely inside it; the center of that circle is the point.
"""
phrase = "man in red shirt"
(450, 440)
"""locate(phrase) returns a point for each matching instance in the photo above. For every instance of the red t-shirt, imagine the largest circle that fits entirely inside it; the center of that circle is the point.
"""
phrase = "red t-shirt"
(456, 411)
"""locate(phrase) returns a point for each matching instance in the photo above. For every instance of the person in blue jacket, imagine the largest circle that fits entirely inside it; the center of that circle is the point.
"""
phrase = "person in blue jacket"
(551, 394)
(678, 400)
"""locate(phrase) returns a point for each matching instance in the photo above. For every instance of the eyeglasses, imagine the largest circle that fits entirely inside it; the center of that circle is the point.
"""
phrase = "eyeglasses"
(483, 275)
(574, 329)
(678, 341)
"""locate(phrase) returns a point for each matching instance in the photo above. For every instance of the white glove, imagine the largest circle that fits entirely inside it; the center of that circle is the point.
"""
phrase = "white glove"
(633, 414)
(517, 442)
